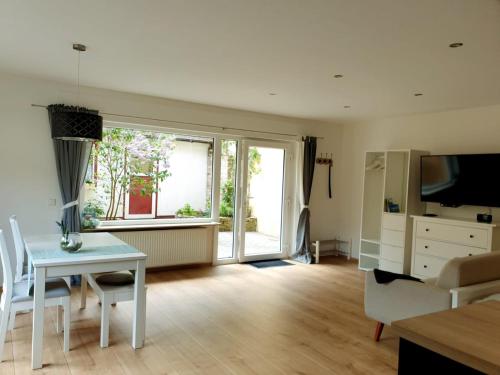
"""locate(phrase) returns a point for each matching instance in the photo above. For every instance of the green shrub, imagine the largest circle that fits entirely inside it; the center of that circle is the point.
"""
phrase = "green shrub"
(226, 204)
(93, 209)
(188, 211)
(225, 210)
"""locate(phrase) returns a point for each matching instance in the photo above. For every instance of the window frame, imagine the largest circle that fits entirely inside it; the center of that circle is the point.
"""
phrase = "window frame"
(136, 220)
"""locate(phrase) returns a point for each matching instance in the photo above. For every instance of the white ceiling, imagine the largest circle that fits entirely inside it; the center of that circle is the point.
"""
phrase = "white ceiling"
(233, 53)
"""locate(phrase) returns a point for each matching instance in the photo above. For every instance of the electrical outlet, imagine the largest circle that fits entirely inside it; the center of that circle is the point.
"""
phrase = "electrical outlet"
(52, 202)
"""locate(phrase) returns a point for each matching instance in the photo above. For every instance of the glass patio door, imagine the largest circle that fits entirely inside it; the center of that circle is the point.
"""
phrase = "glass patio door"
(265, 200)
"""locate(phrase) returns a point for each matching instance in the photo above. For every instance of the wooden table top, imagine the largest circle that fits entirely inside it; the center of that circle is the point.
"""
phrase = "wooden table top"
(469, 335)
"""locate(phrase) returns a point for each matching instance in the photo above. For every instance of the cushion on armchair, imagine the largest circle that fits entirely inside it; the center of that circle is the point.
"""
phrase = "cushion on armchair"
(470, 270)
(115, 279)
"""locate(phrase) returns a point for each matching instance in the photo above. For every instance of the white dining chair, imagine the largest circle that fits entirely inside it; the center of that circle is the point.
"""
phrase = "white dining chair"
(19, 246)
(110, 288)
(17, 296)
(21, 251)
(20, 260)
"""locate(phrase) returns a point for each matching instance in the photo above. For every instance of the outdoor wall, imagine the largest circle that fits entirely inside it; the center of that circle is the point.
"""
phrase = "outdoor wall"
(188, 180)
(27, 157)
(475, 130)
(266, 191)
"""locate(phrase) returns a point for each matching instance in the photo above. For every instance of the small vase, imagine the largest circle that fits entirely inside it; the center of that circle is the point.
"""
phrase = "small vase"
(72, 242)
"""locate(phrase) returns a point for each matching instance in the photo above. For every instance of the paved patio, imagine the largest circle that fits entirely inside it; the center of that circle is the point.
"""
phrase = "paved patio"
(255, 243)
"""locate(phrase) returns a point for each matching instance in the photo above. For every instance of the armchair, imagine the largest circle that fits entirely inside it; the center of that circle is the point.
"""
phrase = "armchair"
(461, 281)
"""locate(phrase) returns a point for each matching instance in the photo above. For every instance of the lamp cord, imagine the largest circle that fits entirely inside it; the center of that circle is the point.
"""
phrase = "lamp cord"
(78, 84)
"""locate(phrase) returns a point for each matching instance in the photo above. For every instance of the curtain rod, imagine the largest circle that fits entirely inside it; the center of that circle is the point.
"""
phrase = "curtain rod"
(189, 123)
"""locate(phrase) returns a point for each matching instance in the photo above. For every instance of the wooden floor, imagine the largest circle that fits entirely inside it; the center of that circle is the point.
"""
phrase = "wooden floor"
(233, 319)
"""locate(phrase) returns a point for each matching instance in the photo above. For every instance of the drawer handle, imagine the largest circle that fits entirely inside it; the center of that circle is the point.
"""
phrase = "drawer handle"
(471, 236)
(426, 246)
(425, 265)
(470, 254)
(427, 229)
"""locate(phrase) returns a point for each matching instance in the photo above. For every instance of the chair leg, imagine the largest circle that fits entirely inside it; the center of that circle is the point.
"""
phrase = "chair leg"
(83, 292)
(59, 327)
(12, 319)
(67, 279)
(67, 322)
(105, 307)
(4, 320)
(378, 331)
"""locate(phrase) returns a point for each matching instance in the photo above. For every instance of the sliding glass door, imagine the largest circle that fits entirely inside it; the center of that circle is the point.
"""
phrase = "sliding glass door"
(265, 201)
(255, 200)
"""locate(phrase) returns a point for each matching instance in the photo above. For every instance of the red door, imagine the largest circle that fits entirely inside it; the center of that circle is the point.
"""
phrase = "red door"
(140, 196)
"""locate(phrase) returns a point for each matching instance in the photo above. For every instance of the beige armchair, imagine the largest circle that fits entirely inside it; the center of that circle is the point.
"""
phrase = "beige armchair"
(461, 281)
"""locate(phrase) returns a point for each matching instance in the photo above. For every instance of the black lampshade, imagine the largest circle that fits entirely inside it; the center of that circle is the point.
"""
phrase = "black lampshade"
(74, 123)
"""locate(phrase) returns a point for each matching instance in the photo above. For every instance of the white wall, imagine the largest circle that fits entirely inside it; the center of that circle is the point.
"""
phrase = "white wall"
(474, 130)
(27, 168)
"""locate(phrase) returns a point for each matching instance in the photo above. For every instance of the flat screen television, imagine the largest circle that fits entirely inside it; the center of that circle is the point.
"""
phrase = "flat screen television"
(455, 180)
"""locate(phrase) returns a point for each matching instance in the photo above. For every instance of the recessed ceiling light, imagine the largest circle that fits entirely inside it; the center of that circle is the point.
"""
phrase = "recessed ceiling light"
(418, 94)
(456, 45)
(272, 93)
(347, 106)
(338, 76)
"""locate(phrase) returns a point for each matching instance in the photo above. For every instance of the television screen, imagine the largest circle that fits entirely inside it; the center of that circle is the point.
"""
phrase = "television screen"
(461, 179)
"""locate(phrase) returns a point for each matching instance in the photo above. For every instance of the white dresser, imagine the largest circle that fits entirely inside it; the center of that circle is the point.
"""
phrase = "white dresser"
(438, 239)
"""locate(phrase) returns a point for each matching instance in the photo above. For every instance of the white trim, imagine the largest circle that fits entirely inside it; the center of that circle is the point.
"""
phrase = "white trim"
(157, 125)
(236, 210)
(152, 222)
(216, 171)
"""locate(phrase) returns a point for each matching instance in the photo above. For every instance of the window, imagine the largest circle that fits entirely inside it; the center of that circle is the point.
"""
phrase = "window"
(138, 174)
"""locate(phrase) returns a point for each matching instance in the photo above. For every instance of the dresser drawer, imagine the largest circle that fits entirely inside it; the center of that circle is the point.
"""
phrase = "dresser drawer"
(445, 249)
(451, 233)
(394, 221)
(393, 237)
(427, 266)
(387, 265)
(392, 253)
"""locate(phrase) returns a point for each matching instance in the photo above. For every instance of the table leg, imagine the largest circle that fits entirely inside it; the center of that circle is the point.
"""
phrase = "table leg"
(38, 311)
(83, 291)
(138, 331)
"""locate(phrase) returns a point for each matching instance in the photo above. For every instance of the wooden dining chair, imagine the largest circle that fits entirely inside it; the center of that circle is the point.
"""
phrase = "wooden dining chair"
(18, 296)
(110, 288)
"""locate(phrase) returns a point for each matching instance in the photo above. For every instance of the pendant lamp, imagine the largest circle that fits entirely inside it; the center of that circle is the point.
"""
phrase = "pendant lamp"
(75, 123)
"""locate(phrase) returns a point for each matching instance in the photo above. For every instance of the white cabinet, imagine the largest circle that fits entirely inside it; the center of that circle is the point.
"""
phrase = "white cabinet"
(437, 240)
(386, 232)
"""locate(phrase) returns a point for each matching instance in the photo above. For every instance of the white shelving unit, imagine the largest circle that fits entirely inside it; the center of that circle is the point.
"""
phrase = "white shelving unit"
(385, 241)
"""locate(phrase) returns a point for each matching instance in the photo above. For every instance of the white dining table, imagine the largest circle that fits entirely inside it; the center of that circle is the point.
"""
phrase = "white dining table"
(101, 252)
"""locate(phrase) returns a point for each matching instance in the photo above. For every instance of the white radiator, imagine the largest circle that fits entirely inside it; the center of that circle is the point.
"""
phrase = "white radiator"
(171, 247)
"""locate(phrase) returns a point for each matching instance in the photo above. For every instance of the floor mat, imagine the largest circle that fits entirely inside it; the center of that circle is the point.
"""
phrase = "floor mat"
(270, 263)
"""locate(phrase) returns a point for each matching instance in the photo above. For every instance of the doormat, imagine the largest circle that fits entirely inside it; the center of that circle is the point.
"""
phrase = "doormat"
(270, 263)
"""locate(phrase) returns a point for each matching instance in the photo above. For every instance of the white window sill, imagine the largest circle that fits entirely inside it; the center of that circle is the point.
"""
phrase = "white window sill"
(148, 226)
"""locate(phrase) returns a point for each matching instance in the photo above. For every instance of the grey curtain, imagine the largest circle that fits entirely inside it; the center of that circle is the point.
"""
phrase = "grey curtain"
(72, 158)
(303, 245)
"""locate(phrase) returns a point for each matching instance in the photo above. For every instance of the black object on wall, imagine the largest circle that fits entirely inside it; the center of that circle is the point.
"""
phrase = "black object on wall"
(327, 161)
